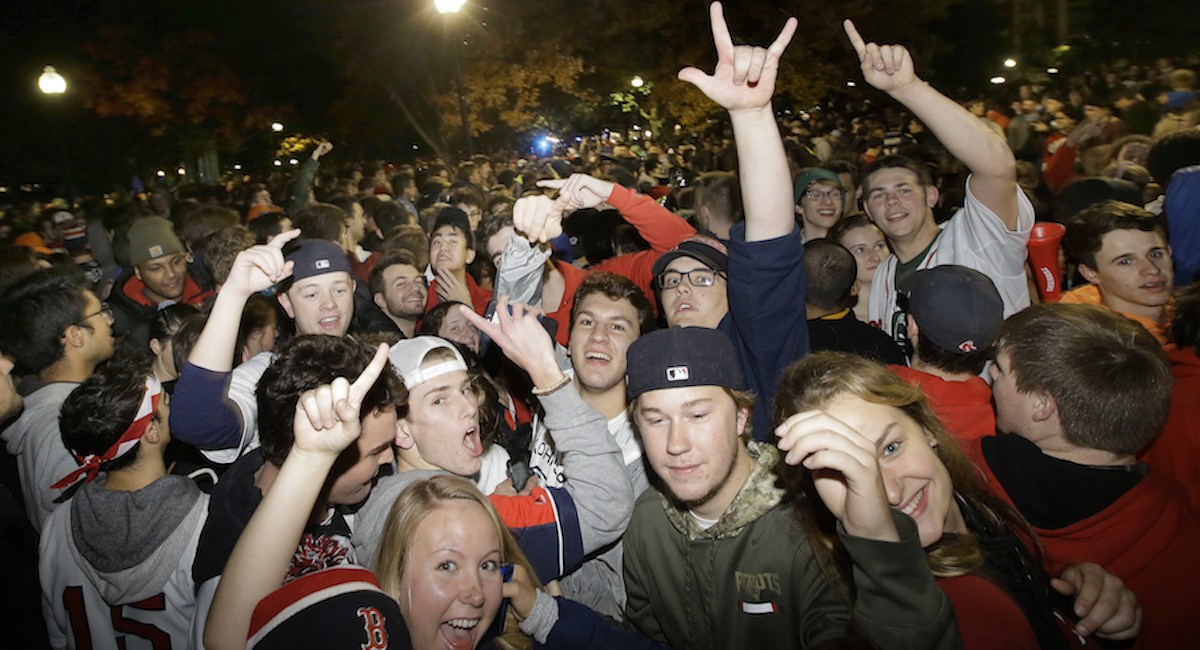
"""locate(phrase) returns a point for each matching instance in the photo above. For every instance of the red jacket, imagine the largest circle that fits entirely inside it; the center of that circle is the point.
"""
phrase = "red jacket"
(480, 297)
(987, 616)
(1149, 539)
(1176, 451)
(964, 407)
(573, 277)
(660, 227)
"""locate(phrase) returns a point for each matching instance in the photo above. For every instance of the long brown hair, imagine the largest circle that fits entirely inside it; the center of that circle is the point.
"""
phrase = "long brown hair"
(822, 378)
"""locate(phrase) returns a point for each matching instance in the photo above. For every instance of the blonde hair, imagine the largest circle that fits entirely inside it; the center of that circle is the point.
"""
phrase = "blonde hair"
(418, 501)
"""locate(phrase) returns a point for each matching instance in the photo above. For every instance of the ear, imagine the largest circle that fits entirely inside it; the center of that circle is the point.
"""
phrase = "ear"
(379, 301)
(152, 434)
(933, 443)
(404, 437)
(72, 337)
(286, 303)
(156, 347)
(1044, 407)
(470, 255)
(137, 273)
(856, 288)
(743, 418)
(931, 195)
(1089, 274)
(913, 330)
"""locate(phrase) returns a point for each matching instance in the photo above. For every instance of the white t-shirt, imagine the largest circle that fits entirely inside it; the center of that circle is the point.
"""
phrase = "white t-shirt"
(975, 238)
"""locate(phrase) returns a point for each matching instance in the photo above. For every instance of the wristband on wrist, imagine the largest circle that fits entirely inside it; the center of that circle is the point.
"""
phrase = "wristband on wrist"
(542, 392)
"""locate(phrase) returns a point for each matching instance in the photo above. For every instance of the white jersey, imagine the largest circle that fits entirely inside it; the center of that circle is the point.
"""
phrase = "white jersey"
(975, 238)
(42, 458)
(76, 611)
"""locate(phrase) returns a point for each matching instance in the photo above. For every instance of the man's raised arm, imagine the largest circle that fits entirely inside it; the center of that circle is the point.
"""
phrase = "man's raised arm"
(993, 168)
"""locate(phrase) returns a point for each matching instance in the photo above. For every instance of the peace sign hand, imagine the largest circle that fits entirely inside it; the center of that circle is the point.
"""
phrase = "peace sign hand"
(744, 78)
(886, 67)
(328, 418)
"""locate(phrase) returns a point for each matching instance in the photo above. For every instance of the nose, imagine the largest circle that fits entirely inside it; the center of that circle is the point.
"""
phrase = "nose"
(895, 488)
(677, 439)
(1151, 267)
(387, 457)
(599, 333)
(472, 591)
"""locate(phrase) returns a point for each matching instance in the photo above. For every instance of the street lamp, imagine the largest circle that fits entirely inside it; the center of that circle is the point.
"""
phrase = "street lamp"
(1010, 63)
(637, 82)
(277, 127)
(51, 82)
(447, 7)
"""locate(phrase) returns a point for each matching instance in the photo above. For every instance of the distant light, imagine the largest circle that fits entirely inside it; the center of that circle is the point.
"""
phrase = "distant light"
(293, 161)
(1051, 70)
(851, 84)
(637, 127)
(449, 6)
(543, 145)
(998, 80)
(1010, 63)
(649, 134)
(278, 163)
(637, 82)
(161, 174)
(51, 82)
(414, 147)
(678, 128)
(237, 166)
(579, 138)
(276, 126)
(181, 171)
(553, 139)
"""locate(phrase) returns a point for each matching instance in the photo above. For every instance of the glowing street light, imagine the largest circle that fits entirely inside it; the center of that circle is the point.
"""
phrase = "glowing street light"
(1010, 63)
(1051, 70)
(851, 84)
(449, 6)
(998, 80)
(637, 82)
(277, 126)
(51, 82)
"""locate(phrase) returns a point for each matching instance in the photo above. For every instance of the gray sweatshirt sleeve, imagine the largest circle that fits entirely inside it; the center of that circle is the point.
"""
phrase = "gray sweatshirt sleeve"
(593, 466)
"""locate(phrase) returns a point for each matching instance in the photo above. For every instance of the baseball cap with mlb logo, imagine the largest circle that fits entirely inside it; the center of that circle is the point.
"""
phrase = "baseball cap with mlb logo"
(678, 357)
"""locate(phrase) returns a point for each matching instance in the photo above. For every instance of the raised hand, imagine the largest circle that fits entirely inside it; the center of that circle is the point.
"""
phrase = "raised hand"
(327, 418)
(523, 340)
(744, 78)
(579, 191)
(322, 149)
(845, 471)
(1103, 603)
(538, 218)
(886, 67)
(450, 289)
(260, 267)
(521, 592)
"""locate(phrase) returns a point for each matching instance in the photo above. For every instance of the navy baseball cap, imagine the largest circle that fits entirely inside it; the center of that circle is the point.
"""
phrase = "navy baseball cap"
(708, 250)
(679, 357)
(313, 257)
(956, 308)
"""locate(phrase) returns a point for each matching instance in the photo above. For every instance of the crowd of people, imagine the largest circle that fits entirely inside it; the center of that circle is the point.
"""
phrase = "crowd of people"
(825, 379)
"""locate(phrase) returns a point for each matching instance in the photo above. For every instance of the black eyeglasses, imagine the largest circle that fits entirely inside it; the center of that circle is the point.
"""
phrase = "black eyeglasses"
(695, 277)
(105, 309)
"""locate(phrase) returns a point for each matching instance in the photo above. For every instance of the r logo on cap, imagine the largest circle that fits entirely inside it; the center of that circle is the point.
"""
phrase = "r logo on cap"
(677, 373)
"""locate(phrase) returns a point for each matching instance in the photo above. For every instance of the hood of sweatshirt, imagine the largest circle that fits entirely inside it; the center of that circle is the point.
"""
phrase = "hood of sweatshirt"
(129, 543)
(758, 496)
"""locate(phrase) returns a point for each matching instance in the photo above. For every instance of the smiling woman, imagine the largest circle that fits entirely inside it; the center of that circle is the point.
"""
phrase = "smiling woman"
(975, 544)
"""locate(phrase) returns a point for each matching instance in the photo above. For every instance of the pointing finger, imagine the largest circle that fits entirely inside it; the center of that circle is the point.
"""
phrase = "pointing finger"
(284, 237)
(369, 375)
(856, 40)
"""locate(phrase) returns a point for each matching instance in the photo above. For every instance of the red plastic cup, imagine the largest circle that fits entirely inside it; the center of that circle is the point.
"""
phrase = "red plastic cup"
(1043, 255)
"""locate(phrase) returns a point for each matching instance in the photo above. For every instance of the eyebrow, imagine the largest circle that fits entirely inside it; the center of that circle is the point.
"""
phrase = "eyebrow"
(884, 436)
(584, 312)
(697, 402)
